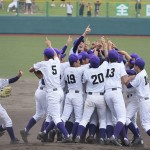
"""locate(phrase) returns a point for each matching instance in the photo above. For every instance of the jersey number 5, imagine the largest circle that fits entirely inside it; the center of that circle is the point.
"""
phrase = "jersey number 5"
(54, 71)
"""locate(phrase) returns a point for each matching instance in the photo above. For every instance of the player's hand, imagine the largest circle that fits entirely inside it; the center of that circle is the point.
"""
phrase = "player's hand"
(31, 69)
(87, 30)
(69, 41)
(122, 52)
(48, 42)
(20, 73)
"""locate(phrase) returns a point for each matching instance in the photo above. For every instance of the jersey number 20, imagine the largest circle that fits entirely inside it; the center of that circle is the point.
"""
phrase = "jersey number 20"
(97, 78)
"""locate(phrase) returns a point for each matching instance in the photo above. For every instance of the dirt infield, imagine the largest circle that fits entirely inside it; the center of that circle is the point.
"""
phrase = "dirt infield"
(21, 106)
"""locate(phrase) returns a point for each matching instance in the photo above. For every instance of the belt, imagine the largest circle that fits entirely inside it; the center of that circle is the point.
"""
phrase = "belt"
(129, 95)
(41, 88)
(113, 89)
(146, 98)
(90, 93)
(76, 91)
(55, 89)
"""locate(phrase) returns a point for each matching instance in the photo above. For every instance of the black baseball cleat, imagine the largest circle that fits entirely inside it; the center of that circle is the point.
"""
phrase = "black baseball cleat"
(15, 141)
(77, 139)
(102, 141)
(59, 136)
(24, 135)
(137, 141)
(2, 133)
(51, 136)
(115, 141)
(43, 137)
(126, 142)
(90, 139)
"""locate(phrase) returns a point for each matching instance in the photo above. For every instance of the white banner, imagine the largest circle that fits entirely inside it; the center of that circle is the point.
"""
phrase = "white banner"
(147, 10)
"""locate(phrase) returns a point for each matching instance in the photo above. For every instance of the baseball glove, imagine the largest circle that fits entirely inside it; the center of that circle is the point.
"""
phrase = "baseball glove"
(5, 92)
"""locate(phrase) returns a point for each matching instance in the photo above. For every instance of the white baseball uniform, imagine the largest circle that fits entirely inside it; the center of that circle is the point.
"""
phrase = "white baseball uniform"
(51, 74)
(74, 97)
(113, 91)
(141, 84)
(94, 79)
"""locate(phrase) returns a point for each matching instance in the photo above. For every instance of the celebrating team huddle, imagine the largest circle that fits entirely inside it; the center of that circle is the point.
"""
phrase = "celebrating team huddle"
(83, 100)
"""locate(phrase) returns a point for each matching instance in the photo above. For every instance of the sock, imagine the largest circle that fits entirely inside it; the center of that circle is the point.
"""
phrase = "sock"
(102, 133)
(30, 124)
(109, 131)
(46, 124)
(118, 129)
(123, 132)
(133, 129)
(50, 126)
(42, 127)
(85, 131)
(148, 132)
(62, 129)
(2, 129)
(11, 133)
(74, 129)
(80, 130)
(92, 129)
(69, 126)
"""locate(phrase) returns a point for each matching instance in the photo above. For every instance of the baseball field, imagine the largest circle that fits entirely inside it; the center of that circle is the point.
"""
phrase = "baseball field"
(20, 52)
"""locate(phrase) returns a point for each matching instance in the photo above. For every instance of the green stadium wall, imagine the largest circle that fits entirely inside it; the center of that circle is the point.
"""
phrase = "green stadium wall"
(74, 25)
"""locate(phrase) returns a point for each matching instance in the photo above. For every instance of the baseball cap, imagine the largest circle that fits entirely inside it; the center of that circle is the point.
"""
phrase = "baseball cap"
(131, 72)
(49, 52)
(90, 51)
(133, 55)
(94, 61)
(73, 58)
(140, 63)
(57, 51)
(120, 58)
(84, 55)
(113, 54)
(62, 55)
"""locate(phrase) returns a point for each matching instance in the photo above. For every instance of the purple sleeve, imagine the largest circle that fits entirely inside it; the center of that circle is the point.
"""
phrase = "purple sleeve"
(77, 43)
(63, 50)
(129, 86)
(12, 80)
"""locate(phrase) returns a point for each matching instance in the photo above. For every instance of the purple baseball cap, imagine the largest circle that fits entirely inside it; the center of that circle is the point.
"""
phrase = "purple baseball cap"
(74, 58)
(90, 51)
(84, 55)
(131, 72)
(140, 63)
(49, 52)
(57, 51)
(113, 54)
(62, 55)
(120, 58)
(94, 61)
(133, 55)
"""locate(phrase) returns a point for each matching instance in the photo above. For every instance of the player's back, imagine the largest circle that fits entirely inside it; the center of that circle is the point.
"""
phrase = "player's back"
(113, 75)
(95, 78)
(73, 77)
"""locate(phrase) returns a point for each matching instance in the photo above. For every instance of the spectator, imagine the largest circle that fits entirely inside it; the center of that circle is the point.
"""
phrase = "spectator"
(81, 9)
(138, 7)
(13, 4)
(53, 3)
(69, 9)
(28, 7)
(63, 3)
(1, 4)
(97, 7)
(89, 9)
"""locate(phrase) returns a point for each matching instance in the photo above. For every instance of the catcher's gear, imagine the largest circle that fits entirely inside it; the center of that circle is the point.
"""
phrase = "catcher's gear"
(6, 91)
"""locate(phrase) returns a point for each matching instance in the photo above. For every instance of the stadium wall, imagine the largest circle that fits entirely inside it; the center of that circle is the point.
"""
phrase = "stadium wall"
(74, 25)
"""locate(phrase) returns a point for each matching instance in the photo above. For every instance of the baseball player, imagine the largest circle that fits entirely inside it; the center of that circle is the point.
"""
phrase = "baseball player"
(141, 84)
(7, 122)
(50, 69)
(116, 74)
(74, 98)
(94, 79)
(40, 100)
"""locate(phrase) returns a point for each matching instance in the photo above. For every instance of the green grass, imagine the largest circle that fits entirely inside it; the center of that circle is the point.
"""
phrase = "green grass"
(21, 52)
(43, 8)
